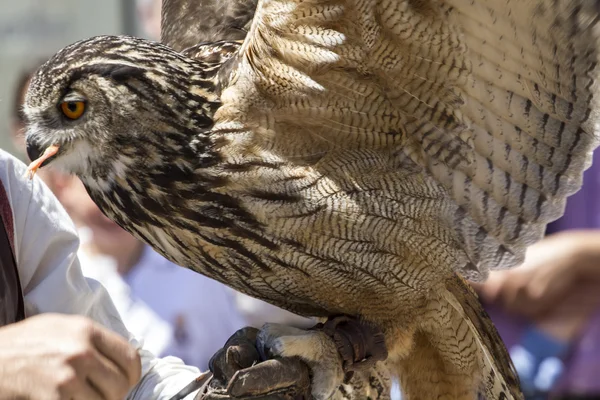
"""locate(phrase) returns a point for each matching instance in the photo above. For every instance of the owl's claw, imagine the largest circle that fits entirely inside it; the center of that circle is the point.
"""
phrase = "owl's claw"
(360, 344)
(313, 347)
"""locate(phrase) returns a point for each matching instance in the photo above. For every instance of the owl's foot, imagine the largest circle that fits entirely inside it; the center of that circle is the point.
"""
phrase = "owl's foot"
(360, 344)
(333, 351)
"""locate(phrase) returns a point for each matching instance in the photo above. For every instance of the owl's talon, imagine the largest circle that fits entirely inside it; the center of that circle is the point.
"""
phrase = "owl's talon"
(314, 347)
(360, 344)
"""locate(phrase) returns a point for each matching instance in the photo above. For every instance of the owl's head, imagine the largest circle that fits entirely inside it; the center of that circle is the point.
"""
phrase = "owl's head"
(99, 103)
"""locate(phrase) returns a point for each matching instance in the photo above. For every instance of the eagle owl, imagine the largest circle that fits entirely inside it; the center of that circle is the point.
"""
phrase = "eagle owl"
(339, 157)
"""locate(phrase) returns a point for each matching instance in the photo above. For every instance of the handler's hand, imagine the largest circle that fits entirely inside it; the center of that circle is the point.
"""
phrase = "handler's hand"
(240, 372)
(52, 356)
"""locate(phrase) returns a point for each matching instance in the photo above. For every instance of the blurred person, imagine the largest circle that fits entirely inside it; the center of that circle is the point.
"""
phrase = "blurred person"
(548, 310)
(17, 122)
(17, 128)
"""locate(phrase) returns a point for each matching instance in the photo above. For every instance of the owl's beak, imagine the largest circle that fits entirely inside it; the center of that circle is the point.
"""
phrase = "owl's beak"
(34, 152)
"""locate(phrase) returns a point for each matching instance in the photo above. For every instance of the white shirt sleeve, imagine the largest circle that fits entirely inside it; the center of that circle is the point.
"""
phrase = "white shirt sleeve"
(46, 245)
(138, 317)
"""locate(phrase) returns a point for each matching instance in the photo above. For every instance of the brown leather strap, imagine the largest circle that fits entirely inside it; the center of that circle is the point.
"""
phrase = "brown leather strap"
(12, 307)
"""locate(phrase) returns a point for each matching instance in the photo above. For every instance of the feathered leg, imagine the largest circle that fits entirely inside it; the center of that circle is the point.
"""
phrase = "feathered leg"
(424, 375)
(457, 351)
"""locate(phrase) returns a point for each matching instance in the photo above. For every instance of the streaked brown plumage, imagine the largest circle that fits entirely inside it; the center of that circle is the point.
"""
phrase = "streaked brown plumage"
(348, 157)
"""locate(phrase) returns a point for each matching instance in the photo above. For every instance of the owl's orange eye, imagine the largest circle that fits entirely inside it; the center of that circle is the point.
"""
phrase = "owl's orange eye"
(72, 109)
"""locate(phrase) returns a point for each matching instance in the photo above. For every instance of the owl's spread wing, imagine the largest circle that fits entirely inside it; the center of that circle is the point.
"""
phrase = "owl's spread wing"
(496, 99)
(186, 23)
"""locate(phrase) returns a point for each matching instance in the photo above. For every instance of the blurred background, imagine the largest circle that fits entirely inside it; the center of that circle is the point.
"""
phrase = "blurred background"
(547, 311)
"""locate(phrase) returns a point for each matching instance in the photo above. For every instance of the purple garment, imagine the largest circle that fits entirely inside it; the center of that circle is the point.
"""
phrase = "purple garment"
(582, 367)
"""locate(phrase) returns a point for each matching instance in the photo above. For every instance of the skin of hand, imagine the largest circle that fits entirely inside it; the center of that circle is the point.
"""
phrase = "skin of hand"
(53, 357)
(557, 286)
